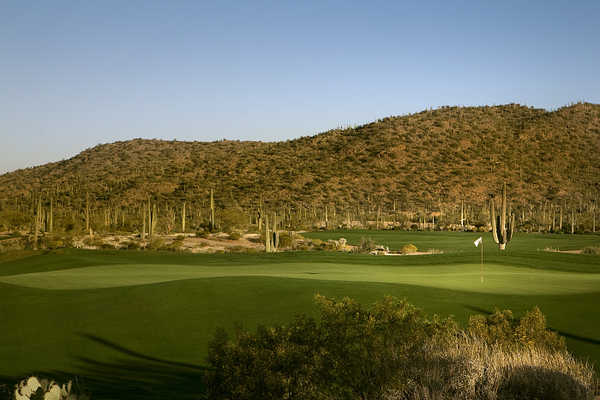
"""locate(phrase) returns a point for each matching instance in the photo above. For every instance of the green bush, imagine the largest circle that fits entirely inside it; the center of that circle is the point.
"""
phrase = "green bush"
(393, 351)
(349, 352)
(408, 249)
(503, 329)
(233, 217)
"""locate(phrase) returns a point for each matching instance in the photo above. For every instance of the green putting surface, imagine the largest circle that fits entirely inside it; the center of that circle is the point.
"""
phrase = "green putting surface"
(497, 279)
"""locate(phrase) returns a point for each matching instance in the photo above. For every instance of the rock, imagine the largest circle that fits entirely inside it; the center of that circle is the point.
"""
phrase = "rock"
(53, 393)
(26, 388)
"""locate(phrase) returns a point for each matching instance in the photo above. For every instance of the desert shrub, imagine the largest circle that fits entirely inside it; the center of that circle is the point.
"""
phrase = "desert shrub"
(408, 248)
(366, 245)
(393, 351)
(131, 245)
(349, 352)
(176, 244)
(56, 242)
(17, 243)
(94, 242)
(503, 329)
(237, 249)
(286, 239)
(235, 236)
(232, 217)
(466, 367)
(156, 243)
(203, 234)
(592, 250)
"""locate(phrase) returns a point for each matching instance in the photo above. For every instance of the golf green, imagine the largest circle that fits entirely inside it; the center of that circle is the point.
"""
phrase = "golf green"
(494, 278)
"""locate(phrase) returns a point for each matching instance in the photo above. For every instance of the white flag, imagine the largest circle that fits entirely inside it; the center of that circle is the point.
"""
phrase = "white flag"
(478, 241)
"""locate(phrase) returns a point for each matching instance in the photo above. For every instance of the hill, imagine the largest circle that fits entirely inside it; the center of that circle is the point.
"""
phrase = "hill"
(429, 160)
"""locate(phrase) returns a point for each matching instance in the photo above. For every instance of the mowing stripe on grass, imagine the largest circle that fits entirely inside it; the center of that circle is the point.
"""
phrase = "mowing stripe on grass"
(499, 279)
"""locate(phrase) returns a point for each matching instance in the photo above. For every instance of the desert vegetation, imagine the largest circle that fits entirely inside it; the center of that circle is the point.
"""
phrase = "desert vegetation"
(394, 351)
(107, 236)
(434, 170)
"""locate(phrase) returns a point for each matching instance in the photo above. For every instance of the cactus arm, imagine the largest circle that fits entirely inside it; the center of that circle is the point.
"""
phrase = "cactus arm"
(511, 228)
(493, 219)
(267, 235)
(502, 230)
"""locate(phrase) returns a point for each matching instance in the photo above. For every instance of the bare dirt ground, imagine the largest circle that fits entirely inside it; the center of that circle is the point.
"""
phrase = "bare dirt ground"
(221, 242)
(564, 251)
(416, 253)
(214, 243)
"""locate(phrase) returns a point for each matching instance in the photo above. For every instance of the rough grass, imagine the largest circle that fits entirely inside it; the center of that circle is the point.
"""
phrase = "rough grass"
(467, 369)
(174, 319)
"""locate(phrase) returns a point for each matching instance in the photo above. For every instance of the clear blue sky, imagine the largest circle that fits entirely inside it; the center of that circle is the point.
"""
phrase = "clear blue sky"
(74, 74)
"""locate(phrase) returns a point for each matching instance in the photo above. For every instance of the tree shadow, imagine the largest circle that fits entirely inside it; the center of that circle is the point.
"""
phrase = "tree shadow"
(130, 375)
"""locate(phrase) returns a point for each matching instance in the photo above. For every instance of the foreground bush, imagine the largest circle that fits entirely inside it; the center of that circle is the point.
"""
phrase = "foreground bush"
(502, 329)
(351, 352)
(468, 368)
(394, 351)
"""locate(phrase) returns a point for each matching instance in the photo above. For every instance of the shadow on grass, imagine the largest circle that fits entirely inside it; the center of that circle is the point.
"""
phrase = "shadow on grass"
(134, 375)
(130, 375)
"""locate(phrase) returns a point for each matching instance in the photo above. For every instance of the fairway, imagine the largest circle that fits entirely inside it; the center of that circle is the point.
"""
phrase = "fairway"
(168, 305)
(497, 279)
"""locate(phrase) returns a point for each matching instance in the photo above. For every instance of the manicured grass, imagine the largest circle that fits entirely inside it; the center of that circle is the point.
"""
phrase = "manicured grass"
(457, 242)
(168, 305)
(494, 278)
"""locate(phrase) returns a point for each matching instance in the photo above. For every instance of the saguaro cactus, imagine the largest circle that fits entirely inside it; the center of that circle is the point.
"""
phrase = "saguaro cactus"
(144, 221)
(501, 229)
(212, 211)
(275, 235)
(268, 238)
(87, 212)
(183, 218)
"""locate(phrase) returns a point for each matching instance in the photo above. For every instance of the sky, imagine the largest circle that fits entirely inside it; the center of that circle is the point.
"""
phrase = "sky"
(74, 74)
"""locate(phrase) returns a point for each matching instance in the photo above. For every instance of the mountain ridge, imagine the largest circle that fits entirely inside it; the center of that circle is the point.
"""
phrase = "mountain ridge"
(428, 158)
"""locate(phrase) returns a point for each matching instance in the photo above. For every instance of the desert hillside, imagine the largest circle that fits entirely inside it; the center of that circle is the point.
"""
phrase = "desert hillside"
(429, 160)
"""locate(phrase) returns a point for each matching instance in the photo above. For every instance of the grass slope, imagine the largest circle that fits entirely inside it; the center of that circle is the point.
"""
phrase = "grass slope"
(170, 319)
